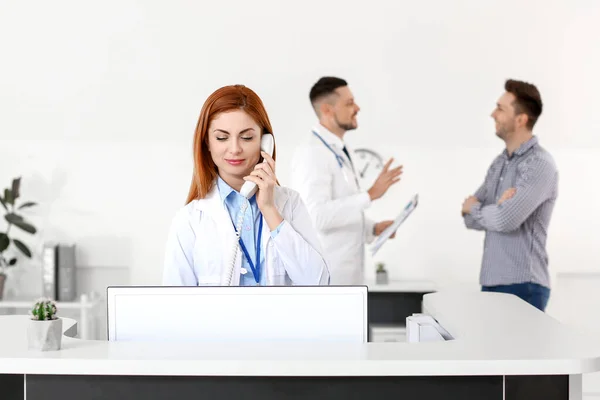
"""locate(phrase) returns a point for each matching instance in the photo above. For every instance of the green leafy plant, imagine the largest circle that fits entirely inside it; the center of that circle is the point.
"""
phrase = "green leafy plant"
(380, 267)
(8, 199)
(44, 310)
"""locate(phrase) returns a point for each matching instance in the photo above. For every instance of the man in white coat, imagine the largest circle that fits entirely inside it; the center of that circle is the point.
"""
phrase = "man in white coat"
(323, 174)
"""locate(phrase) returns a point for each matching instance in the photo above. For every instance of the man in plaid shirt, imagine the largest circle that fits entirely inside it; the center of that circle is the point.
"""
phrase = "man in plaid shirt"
(514, 205)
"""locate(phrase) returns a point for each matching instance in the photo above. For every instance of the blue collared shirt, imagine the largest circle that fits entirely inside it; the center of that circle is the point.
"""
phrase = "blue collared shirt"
(249, 232)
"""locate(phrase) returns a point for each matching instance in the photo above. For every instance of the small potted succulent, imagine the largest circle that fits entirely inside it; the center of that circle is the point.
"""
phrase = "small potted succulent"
(45, 328)
(381, 275)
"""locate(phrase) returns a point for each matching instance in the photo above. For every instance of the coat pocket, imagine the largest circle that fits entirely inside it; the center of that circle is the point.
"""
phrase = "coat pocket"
(277, 271)
(207, 264)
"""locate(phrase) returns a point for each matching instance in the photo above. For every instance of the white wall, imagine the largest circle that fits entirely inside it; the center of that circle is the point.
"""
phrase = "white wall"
(98, 103)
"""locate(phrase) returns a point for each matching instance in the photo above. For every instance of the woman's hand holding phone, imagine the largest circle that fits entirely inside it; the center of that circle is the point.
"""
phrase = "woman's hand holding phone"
(264, 177)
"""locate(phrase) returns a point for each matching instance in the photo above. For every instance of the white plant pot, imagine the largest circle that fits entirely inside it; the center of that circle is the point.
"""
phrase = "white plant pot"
(44, 335)
(381, 278)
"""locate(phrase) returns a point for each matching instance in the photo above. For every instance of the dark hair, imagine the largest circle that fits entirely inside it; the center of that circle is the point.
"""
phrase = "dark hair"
(527, 100)
(324, 87)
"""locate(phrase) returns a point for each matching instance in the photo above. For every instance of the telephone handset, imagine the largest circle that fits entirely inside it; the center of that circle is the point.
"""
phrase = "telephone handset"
(248, 189)
(266, 144)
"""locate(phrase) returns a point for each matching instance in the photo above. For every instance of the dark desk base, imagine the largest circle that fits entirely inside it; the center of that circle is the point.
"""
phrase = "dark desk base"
(393, 307)
(90, 387)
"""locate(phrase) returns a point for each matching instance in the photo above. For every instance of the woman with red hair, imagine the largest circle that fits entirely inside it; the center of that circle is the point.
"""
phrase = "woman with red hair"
(219, 238)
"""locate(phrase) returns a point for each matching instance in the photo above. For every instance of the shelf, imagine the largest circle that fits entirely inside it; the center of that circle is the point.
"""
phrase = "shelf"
(85, 302)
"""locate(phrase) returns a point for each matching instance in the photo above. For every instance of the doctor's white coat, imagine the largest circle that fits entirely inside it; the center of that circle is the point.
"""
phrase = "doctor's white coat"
(201, 241)
(336, 204)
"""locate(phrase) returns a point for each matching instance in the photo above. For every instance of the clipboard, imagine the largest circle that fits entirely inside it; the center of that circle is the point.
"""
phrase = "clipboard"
(385, 235)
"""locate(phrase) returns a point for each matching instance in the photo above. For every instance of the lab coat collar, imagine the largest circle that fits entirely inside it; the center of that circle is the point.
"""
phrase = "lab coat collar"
(329, 137)
(214, 205)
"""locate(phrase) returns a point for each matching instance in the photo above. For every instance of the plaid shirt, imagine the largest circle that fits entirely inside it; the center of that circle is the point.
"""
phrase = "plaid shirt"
(516, 231)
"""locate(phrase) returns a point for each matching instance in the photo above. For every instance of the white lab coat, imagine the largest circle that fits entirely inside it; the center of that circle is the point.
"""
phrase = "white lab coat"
(201, 241)
(336, 205)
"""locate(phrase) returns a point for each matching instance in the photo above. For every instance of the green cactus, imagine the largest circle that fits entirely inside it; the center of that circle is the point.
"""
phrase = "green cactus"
(44, 310)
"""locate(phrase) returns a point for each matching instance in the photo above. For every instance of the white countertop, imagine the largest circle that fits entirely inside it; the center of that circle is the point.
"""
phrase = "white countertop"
(400, 286)
(496, 334)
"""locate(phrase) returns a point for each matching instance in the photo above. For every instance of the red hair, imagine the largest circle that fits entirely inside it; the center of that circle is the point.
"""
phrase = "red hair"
(227, 98)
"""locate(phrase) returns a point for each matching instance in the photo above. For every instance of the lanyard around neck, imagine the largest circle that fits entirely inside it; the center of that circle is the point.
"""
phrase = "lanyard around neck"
(254, 267)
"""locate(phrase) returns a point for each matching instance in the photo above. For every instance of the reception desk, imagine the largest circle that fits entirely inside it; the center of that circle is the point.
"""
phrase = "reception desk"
(503, 349)
(391, 303)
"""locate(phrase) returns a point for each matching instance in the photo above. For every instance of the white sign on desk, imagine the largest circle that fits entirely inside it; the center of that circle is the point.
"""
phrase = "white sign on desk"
(238, 314)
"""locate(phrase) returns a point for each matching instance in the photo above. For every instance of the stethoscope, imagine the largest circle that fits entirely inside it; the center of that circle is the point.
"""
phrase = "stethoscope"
(340, 160)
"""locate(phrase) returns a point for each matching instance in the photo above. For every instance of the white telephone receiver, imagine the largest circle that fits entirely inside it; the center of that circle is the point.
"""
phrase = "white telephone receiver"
(267, 144)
